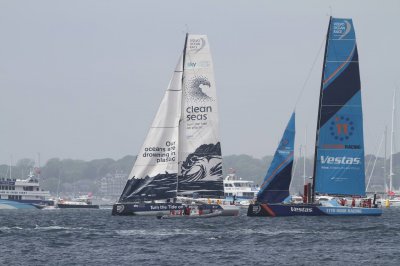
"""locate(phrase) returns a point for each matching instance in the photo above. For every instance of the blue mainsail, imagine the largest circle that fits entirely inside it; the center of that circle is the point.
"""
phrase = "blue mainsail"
(275, 187)
(339, 163)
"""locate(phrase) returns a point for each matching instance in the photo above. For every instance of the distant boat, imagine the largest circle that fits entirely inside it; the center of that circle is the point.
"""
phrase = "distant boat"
(238, 190)
(393, 199)
(82, 202)
(181, 155)
(23, 193)
(339, 176)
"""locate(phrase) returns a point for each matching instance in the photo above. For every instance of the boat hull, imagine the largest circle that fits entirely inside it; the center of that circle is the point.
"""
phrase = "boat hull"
(230, 210)
(192, 216)
(154, 209)
(76, 206)
(277, 210)
(12, 205)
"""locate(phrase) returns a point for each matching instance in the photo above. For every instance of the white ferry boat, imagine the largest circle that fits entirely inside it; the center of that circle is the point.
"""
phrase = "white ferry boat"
(23, 193)
(239, 190)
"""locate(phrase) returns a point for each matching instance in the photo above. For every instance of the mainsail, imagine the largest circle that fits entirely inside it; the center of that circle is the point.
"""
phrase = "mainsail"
(181, 153)
(339, 156)
(275, 187)
(199, 147)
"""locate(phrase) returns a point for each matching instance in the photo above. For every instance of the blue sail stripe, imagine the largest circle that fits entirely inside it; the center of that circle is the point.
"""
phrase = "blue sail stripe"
(339, 69)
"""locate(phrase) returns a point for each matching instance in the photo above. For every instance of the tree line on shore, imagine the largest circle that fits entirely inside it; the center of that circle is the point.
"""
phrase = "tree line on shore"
(68, 175)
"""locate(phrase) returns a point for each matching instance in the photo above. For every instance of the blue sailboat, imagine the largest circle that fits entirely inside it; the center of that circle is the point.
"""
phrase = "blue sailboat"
(339, 148)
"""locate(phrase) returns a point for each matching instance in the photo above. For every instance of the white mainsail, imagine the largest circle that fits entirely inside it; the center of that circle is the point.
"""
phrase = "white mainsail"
(199, 146)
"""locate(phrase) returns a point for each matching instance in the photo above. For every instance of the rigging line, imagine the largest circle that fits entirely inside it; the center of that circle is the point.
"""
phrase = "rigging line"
(376, 158)
(309, 73)
(377, 149)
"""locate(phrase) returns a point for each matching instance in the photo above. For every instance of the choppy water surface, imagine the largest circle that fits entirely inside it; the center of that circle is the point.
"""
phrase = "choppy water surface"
(94, 237)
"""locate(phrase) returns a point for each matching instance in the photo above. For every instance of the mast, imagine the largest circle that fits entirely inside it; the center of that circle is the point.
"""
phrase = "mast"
(305, 156)
(319, 110)
(11, 161)
(384, 162)
(180, 120)
(38, 172)
(391, 145)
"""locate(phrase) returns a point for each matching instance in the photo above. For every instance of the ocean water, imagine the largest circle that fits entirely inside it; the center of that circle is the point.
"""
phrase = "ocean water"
(94, 237)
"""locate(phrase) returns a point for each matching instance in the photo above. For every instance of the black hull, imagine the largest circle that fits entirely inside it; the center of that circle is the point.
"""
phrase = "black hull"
(154, 209)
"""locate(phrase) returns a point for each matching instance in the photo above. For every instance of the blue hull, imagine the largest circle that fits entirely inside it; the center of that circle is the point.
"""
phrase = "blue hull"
(153, 209)
(10, 205)
(277, 210)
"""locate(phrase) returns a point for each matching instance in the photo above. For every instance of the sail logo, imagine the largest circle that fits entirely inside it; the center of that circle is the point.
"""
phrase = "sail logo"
(342, 128)
(120, 208)
(284, 142)
(199, 89)
(341, 29)
(198, 112)
(195, 45)
(191, 64)
(340, 160)
(298, 209)
(200, 64)
(256, 209)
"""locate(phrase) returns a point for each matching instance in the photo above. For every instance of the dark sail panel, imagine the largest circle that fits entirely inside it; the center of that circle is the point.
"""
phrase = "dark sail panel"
(205, 161)
(339, 165)
(275, 187)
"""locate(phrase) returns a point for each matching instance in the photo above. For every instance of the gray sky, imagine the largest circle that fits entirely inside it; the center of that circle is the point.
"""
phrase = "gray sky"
(83, 79)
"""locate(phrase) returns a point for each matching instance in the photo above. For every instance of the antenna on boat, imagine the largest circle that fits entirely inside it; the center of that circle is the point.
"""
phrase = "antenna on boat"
(11, 162)
(330, 11)
(187, 30)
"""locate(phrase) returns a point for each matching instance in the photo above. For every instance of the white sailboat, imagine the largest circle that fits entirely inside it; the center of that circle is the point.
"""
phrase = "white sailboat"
(181, 155)
(393, 195)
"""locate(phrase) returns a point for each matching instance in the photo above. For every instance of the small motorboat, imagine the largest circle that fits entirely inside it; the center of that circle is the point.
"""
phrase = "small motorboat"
(192, 212)
(82, 202)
